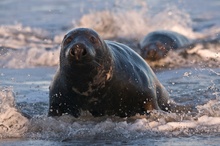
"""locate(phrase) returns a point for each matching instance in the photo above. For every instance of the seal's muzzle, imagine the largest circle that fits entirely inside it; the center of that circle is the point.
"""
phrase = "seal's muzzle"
(78, 51)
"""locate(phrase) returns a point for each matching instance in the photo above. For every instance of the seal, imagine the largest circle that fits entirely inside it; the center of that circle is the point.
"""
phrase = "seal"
(157, 44)
(104, 78)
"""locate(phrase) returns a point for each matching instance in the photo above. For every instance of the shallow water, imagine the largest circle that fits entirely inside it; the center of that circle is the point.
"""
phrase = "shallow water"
(30, 37)
(187, 85)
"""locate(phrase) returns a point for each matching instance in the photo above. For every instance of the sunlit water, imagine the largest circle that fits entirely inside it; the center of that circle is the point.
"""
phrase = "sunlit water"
(30, 36)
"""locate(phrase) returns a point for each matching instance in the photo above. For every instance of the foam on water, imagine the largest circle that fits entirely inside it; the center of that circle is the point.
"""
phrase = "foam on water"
(12, 123)
(18, 37)
(36, 47)
(67, 128)
(26, 47)
(135, 25)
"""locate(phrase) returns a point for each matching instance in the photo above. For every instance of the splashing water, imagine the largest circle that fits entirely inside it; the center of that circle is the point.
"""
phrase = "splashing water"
(12, 123)
(114, 24)
(88, 128)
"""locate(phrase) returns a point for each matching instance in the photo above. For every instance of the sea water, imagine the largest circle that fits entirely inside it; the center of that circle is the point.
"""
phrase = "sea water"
(30, 36)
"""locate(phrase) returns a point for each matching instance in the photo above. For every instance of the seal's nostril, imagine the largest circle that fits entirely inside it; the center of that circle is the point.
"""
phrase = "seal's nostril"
(72, 53)
(84, 52)
(78, 51)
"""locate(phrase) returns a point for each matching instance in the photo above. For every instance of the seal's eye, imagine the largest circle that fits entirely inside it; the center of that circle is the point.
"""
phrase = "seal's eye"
(67, 41)
(93, 39)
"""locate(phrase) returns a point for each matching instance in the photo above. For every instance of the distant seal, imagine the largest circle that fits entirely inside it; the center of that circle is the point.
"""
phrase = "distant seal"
(104, 78)
(157, 44)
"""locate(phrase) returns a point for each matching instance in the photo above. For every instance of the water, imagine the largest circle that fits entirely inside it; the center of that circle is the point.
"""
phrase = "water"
(30, 36)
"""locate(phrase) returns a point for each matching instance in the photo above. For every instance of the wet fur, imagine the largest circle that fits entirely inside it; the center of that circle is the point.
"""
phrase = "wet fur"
(117, 81)
(157, 44)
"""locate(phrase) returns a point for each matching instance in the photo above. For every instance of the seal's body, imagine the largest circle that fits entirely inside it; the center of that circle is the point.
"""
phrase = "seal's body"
(104, 78)
(157, 44)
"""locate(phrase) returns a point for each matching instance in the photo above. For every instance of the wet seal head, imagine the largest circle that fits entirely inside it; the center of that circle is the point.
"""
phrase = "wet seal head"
(104, 78)
(81, 46)
(84, 53)
(157, 44)
(155, 51)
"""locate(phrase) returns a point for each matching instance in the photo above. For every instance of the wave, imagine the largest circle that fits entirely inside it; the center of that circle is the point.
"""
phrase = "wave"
(12, 122)
(27, 47)
(24, 47)
(86, 127)
(67, 128)
(135, 24)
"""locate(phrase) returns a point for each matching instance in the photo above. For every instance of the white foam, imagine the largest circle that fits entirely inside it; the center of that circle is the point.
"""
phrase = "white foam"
(27, 47)
(212, 108)
(30, 57)
(18, 37)
(136, 24)
(22, 47)
(207, 53)
(12, 123)
(87, 127)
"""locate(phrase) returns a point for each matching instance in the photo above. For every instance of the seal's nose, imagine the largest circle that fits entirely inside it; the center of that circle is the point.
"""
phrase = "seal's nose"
(151, 53)
(78, 51)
